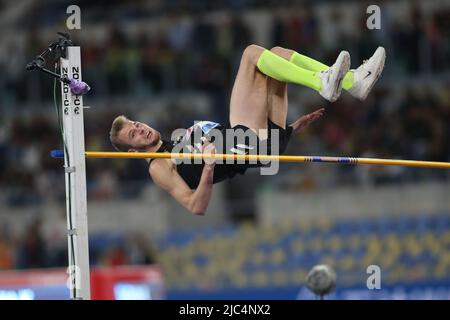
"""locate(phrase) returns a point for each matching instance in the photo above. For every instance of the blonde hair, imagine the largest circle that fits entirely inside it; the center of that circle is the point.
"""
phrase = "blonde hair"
(116, 126)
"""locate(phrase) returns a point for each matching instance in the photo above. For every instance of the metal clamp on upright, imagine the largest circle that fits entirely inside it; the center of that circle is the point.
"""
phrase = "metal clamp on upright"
(58, 50)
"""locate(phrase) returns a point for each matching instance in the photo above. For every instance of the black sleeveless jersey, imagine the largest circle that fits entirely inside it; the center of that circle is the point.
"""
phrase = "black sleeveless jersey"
(193, 139)
(189, 170)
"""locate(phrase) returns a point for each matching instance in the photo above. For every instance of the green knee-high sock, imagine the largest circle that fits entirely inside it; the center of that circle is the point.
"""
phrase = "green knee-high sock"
(314, 65)
(281, 69)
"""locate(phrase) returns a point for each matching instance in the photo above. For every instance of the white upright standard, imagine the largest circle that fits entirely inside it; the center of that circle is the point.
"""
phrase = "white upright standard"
(75, 176)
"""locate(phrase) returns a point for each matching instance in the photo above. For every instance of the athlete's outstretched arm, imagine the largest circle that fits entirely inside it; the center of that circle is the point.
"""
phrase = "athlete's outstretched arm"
(165, 175)
(306, 120)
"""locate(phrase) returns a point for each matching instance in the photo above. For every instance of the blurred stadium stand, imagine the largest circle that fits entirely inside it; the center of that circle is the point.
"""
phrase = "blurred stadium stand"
(172, 62)
(271, 262)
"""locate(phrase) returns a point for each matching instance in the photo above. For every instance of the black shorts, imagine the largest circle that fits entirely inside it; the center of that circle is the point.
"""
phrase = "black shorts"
(191, 172)
(251, 145)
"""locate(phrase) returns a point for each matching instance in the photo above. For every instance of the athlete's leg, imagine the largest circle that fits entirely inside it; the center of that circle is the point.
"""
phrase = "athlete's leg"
(277, 93)
(358, 81)
(328, 83)
(314, 65)
(251, 102)
(248, 103)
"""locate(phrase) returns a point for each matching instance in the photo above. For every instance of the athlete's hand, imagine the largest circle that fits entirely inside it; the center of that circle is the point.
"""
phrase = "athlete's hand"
(306, 120)
(209, 149)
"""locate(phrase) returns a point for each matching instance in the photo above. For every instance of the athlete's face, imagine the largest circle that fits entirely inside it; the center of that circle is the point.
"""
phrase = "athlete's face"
(139, 135)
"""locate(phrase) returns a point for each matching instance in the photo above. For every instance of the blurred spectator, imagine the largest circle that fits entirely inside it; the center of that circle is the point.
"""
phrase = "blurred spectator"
(32, 249)
(114, 256)
(6, 251)
(139, 251)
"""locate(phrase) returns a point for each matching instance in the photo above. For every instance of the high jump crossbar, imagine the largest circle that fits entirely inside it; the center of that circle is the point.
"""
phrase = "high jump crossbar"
(250, 157)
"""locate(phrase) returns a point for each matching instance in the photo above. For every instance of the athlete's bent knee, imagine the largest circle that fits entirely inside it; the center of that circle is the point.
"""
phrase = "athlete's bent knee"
(282, 52)
(252, 53)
